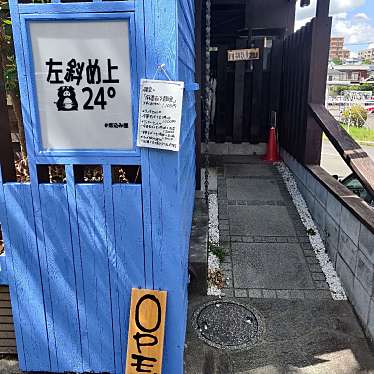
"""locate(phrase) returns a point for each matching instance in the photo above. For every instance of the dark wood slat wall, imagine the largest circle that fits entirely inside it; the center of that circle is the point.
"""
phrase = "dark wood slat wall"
(7, 335)
(305, 65)
(295, 90)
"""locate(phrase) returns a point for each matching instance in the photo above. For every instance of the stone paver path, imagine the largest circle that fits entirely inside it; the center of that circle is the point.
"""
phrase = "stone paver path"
(267, 246)
(272, 268)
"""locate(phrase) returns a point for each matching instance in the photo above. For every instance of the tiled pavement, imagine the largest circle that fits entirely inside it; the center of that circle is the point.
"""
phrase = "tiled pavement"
(268, 253)
(271, 267)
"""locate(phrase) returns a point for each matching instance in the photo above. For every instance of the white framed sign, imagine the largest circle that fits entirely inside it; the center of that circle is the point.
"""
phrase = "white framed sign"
(160, 114)
(243, 54)
(83, 84)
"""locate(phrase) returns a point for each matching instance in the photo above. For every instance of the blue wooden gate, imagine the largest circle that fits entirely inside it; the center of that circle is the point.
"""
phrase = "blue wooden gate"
(74, 250)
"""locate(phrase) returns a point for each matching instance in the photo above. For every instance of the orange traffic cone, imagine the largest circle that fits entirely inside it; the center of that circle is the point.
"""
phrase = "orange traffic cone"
(272, 154)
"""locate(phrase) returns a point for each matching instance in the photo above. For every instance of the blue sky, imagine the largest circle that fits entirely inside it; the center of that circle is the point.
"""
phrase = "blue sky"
(353, 19)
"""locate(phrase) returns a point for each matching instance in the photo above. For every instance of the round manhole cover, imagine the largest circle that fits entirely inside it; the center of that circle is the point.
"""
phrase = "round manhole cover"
(228, 325)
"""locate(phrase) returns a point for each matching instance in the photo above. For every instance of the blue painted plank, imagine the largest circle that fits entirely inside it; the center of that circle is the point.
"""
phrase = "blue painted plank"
(88, 160)
(3, 271)
(61, 276)
(168, 245)
(145, 161)
(113, 275)
(127, 203)
(95, 271)
(59, 8)
(23, 254)
(185, 16)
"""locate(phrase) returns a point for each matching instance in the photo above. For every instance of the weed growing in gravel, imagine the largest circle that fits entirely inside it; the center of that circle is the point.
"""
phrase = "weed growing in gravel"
(217, 251)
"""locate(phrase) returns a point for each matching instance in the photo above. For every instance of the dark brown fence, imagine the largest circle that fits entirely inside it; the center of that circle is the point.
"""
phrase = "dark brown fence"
(303, 117)
(304, 74)
(295, 90)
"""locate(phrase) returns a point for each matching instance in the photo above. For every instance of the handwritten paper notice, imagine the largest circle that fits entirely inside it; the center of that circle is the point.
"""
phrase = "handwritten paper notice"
(160, 114)
(146, 331)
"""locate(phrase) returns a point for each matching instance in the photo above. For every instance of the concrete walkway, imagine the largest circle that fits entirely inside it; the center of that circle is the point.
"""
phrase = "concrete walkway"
(272, 269)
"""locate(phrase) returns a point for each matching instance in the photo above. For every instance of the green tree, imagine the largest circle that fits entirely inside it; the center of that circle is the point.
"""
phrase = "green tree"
(338, 90)
(356, 116)
(366, 62)
(337, 61)
(8, 61)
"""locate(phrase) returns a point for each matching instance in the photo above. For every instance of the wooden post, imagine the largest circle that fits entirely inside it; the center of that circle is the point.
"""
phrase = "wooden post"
(239, 95)
(6, 150)
(221, 117)
(323, 9)
(257, 91)
(317, 81)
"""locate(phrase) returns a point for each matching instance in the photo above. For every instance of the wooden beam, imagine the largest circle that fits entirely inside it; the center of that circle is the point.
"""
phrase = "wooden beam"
(228, 2)
(239, 95)
(6, 150)
(221, 119)
(323, 9)
(257, 90)
(351, 152)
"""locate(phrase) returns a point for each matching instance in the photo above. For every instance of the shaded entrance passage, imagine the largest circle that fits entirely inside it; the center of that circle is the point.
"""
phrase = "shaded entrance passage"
(272, 272)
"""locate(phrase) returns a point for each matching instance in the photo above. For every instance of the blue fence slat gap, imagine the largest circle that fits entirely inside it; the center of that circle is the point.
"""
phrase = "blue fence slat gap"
(76, 250)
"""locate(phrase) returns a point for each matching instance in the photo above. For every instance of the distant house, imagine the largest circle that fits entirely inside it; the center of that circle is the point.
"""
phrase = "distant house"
(367, 54)
(348, 74)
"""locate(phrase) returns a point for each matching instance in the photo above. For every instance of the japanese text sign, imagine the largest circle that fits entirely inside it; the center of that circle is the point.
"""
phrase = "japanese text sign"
(160, 114)
(243, 54)
(83, 84)
(146, 331)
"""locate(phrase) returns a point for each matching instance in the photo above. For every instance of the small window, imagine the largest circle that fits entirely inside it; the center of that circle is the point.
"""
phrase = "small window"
(22, 171)
(51, 173)
(88, 174)
(128, 174)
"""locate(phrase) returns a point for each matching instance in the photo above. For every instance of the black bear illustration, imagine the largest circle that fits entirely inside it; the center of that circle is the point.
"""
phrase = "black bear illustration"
(66, 99)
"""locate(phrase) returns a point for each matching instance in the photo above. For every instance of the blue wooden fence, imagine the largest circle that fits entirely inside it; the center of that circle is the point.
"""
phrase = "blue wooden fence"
(74, 250)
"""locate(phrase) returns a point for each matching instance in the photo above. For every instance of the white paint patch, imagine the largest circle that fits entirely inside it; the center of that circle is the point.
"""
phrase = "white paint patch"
(213, 261)
(336, 288)
(213, 219)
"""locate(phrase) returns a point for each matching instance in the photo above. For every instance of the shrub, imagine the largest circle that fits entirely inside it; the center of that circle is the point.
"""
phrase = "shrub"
(356, 116)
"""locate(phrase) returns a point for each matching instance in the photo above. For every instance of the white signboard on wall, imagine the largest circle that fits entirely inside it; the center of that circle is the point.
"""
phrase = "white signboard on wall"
(83, 84)
(160, 113)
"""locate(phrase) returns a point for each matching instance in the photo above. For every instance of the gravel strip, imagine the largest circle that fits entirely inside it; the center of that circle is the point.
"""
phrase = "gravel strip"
(213, 261)
(336, 288)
